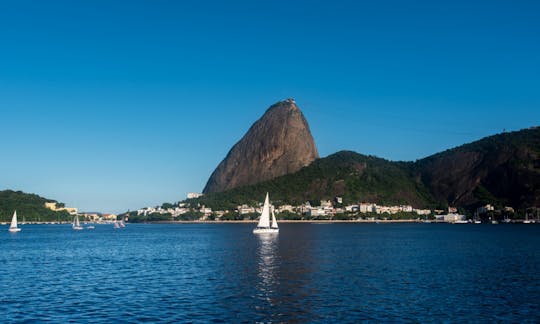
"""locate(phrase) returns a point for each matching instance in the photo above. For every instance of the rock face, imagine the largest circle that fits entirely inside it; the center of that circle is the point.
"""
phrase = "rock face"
(503, 169)
(279, 143)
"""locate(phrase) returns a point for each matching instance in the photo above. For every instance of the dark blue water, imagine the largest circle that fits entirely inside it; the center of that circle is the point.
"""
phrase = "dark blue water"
(308, 273)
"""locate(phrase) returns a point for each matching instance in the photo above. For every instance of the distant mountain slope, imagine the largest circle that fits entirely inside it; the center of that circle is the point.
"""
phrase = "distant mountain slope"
(503, 169)
(355, 177)
(30, 207)
(279, 143)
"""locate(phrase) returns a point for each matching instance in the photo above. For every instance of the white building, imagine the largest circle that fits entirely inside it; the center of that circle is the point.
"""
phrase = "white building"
(450, 218)
(352, 208)
(283, 208)
(316, 211)
(193, 195)
(367, 208)
(245, 209)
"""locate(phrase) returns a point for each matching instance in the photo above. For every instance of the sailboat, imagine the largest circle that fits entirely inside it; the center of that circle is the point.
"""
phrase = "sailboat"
(76, 225)
(13, 227)
(264, 222)
(527, 221)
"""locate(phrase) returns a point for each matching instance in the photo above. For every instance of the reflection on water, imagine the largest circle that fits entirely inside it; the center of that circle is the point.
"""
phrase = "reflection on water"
(268, 267)
(343, 273)
(284, 289)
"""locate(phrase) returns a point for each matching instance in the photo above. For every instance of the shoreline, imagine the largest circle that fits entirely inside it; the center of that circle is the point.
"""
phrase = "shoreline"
(308, 221)
(325, 221)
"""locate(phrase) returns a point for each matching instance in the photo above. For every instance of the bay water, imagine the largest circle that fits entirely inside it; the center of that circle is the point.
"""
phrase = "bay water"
(308, 273)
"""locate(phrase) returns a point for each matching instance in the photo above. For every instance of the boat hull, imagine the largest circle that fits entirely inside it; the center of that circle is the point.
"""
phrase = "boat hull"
(78, 228)
(14, 230)
(260, 230)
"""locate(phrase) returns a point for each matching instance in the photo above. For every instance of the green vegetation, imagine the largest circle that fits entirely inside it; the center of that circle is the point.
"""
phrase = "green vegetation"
(355, 177)
(503, 170)
(30, 208)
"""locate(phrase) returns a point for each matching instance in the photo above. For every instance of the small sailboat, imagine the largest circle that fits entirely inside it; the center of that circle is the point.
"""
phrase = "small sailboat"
(76, 225)
(121, 223)
(13, 227)
(264, 222)
(116, 225)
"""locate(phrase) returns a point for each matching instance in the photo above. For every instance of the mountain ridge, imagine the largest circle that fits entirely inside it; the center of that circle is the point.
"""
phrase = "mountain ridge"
(501, 169)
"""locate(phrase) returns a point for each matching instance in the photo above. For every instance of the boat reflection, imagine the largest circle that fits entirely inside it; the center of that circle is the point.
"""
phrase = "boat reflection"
(268, 266)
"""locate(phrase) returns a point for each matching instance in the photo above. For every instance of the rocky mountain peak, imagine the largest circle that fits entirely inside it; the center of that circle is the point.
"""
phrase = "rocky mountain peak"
(277, 144)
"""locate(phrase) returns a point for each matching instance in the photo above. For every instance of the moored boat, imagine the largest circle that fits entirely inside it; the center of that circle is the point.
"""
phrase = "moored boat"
(264, 225)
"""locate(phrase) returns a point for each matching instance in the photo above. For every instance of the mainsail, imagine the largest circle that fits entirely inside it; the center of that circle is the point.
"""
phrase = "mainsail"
(14, 220)
(265, 216)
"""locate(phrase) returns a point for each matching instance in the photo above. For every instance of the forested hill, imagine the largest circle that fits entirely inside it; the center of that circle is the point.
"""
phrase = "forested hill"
(30, 207)
(352, 176)
(503, 169)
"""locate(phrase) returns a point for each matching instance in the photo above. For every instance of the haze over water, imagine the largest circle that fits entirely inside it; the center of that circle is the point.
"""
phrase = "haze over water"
(307, 273)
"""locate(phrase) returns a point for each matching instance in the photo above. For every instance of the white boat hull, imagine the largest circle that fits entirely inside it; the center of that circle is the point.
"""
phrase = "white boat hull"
(13, 230)
(78, 228)
(259, 230)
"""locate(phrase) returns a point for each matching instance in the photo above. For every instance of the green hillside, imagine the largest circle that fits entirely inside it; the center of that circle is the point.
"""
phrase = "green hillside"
(30, 207)
(352, 176)
(502, 170)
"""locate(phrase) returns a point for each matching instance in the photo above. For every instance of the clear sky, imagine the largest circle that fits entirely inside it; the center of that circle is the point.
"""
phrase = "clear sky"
(113, 105)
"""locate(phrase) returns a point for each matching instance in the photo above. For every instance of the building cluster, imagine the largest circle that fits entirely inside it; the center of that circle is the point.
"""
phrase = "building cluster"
(91, 217)
(326, 209)
(99, 217)
(53, 206)
(174, 211)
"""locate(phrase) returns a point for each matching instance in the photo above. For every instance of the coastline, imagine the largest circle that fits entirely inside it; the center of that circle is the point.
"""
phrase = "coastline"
(308, 221)
(322, 221)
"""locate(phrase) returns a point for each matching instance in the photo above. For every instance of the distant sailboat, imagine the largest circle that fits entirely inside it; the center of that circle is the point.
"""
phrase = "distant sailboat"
(121, 223)
(264, 222)
(116, 225)
(76, 224)
(13, 227)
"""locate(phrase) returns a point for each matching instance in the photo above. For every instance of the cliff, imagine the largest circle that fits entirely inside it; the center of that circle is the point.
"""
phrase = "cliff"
(277, 144)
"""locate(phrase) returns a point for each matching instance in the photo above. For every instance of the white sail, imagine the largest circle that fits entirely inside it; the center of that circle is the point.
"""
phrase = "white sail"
(274, 221)
(13, 227)
(265, 215)
(264, 223)
(76, 224)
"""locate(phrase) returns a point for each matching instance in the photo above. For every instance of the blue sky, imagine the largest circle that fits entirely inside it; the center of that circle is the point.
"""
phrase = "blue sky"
(112, 105)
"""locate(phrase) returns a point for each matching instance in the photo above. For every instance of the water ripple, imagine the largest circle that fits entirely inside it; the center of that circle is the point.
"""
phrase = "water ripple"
(306, 274)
